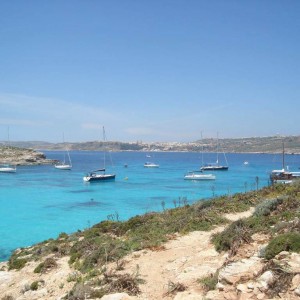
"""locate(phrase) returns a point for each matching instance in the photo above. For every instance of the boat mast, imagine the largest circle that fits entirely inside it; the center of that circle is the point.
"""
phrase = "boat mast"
(67, 150)
(218, 148)
(64, 148)
(202, 150)
(283, 162)
(104, 147)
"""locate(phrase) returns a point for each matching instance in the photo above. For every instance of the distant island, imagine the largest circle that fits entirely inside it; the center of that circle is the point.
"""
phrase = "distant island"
(271, 144)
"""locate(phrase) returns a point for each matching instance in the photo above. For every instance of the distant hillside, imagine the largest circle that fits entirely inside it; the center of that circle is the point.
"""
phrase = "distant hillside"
(238, 145)
(258, 144)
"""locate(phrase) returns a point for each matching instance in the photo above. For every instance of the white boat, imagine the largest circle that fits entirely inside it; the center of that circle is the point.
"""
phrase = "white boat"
(66, 164)
(215, 166)
(199, 175)
(99, 174)
(150, 165)
(63, 166)
(8, 168)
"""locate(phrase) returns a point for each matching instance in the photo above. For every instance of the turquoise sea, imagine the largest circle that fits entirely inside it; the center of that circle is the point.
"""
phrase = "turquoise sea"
(40, 202)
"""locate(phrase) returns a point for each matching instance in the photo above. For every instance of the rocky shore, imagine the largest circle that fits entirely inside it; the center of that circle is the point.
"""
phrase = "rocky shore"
(22, 156)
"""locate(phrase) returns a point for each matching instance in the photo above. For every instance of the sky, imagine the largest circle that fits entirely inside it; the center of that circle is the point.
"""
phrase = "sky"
(159, 70)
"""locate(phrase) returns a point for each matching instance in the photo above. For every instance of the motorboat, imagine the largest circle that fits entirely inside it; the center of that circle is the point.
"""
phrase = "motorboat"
(150, 165)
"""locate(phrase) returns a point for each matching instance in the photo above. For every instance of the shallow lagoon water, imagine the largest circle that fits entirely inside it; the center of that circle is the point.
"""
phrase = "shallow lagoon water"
(40, 202)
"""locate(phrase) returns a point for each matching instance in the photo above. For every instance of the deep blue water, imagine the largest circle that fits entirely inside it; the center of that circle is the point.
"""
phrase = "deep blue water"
(39, 202)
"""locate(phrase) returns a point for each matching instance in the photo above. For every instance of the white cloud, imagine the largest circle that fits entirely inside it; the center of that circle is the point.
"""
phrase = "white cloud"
(45, 117)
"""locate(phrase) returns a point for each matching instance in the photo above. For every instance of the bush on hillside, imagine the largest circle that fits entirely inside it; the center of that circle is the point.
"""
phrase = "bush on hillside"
(232, 237)
(266, 207)
(283, 242)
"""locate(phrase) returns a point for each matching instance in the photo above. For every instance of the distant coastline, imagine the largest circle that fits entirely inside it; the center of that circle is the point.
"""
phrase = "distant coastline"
(271, 144)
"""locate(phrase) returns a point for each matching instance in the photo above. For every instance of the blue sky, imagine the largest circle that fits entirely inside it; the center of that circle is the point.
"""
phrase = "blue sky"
(159, 70)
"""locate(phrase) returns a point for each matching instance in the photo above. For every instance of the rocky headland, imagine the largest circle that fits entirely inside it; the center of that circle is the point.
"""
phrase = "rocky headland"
(244, 246)
(22, 156)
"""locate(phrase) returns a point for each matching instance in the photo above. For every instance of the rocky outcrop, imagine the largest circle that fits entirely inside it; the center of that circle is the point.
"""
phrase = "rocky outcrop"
(22, 156)
(261, 280)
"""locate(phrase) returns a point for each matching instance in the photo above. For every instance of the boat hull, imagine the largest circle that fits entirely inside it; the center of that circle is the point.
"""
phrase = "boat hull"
(282, 176)
(99, 177)
(151, 165)
(214, 168)
(7, 170)
(193, 176)
(199, 178)
(63, 167)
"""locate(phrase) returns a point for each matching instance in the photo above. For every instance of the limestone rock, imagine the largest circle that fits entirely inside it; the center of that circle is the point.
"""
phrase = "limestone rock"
(265, 280)
(118, 296)
(243, 269)
(189, 295)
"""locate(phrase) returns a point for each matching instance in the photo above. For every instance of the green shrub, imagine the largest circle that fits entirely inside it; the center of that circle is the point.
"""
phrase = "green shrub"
(16, 263)
(34, 286)
(266, 207)
(63, 235)
(209, 282)
(284, 242)
(7, 297)
(45, 266)
(232, 236)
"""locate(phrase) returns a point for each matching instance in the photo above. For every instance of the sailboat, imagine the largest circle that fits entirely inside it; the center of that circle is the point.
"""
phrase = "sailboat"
(283, 175)
(199, 174)
(99, 174)
(215, 166)
(64, 165)
(7, 167)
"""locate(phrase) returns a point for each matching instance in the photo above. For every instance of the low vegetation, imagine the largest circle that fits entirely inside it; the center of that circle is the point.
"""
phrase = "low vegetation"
(289, 241)
(278, 214)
